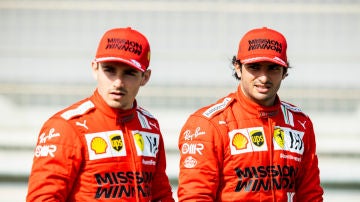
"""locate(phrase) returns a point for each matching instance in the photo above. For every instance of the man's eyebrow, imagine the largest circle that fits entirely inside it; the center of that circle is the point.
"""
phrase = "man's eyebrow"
(106, 65)
(274, 65)
(253, 64)
(131, 70)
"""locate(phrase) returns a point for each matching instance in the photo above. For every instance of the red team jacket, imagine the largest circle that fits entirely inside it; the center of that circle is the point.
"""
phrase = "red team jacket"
(91, 152)
(236, 150)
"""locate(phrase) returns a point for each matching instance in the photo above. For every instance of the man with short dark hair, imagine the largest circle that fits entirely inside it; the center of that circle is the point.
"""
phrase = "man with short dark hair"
(250, 145)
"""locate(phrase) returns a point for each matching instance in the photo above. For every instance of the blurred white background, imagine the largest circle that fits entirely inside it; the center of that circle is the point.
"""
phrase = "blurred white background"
(46, 47)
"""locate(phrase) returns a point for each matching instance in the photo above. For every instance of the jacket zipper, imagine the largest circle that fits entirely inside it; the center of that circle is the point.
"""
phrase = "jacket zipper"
(132, 156)
(271, 126)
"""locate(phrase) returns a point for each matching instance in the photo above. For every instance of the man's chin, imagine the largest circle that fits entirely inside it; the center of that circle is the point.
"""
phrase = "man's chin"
(115, 104)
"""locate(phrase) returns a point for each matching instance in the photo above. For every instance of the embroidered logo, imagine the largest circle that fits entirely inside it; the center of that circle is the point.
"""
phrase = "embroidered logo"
(212, 110)
(43, 149)
(98, 145)
(279, 137)
(190, 162)
(147, 144)
(257, 137)
(287, 139)
(105, 144)
(247, 140)
(302, 124)
(139, 141)
(82, 124)
(240, 141)
(190, 136)
(116, 142)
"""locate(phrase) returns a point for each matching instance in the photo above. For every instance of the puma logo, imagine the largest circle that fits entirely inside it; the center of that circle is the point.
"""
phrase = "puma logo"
(153, 125)
(302, 124)
(82, 124)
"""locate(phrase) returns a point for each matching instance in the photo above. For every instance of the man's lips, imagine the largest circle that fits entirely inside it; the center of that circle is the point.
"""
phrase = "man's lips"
(117, 94)
(262, 88)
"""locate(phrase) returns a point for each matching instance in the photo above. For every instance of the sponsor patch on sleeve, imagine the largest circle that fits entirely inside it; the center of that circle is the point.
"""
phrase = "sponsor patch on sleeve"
(44, 149)
(217, 107)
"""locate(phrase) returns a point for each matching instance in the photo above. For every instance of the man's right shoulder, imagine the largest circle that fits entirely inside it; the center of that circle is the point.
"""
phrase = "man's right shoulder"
(216, 108)
(76, 110)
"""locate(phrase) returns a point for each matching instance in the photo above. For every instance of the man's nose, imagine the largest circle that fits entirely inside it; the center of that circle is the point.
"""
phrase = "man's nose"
(117, 81)
(263, 76)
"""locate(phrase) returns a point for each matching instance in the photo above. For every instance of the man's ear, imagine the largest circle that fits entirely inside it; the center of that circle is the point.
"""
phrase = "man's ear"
(146, 77)
(237, 68)
(95, 69)
(285, 74)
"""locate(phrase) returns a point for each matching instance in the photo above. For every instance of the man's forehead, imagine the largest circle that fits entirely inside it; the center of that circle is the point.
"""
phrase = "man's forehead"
(116, 64)
(263, 63)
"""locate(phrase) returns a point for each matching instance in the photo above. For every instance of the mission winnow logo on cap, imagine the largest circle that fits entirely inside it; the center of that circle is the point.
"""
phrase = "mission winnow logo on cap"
(263, 44)
(124, 45)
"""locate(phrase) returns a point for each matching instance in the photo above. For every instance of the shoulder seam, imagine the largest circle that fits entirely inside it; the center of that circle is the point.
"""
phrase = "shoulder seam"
(214, 109)
(79, 110)
(291, 107)
(145, 112)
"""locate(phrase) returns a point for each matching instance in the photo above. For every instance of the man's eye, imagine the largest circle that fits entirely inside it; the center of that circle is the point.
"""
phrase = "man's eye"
(275, 68)
(110, 70)
(253, 67)
(131, 73)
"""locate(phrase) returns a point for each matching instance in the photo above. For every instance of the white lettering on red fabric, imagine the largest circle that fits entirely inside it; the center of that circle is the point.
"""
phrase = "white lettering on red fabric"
(80, 110)
(190, 136)
(189, 148)
(45, 150)
(284, 156)
(217, 107)
(149, 162)
(43, 137)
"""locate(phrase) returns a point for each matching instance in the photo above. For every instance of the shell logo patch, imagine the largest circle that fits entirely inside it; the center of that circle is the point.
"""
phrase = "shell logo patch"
(105, 144)
(98, 145)
(240, 141)
(247, 140)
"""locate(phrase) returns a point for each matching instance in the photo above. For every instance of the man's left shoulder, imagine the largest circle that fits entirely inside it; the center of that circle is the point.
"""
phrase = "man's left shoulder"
(76, 110)
(219, 107)
(144, 112)
(291, 107)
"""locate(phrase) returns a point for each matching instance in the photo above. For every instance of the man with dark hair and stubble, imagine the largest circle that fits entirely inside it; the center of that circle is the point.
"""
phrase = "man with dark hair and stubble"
(250, 145)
